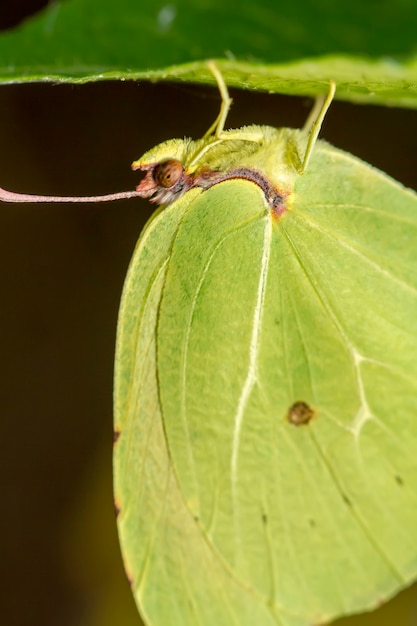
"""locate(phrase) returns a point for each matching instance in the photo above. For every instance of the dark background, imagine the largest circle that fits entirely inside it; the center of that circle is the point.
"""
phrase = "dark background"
(62, 271)
(12, 12)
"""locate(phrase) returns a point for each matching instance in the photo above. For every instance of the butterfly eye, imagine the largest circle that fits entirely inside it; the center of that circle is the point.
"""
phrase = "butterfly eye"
(168, 173)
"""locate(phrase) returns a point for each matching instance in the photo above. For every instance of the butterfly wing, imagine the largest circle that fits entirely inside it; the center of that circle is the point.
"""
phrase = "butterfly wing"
(229, 511)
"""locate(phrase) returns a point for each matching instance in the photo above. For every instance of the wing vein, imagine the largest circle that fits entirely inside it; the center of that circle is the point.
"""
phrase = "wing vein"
(253, 349)
(345, 244)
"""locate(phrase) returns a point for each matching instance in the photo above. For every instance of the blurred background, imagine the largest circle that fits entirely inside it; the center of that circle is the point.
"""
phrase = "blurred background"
(62, 271)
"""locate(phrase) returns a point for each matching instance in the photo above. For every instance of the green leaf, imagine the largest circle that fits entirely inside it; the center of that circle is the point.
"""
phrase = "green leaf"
(290, 48)
(238, 322)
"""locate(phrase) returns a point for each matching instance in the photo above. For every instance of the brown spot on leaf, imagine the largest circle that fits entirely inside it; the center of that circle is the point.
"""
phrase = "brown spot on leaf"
(300, 413)
(116, 436)
(399, 481)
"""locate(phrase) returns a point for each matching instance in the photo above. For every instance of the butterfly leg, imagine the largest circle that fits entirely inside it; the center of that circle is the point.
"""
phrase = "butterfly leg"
(314, 121)
(218, 125)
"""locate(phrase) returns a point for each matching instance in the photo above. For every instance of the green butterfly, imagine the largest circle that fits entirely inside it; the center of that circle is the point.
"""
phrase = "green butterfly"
(266, 382)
